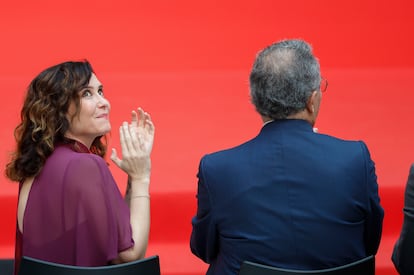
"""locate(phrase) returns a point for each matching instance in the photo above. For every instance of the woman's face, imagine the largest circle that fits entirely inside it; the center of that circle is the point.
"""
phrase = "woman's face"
(93, 117)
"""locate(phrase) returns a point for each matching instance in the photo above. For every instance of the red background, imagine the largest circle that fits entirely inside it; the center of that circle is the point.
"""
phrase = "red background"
(187, 63)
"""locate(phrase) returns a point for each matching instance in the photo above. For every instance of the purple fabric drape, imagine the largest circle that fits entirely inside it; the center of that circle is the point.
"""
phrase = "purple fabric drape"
(75, 213)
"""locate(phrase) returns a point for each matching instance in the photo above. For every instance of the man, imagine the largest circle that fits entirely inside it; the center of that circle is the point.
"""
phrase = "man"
(402, 255)
(289, 197)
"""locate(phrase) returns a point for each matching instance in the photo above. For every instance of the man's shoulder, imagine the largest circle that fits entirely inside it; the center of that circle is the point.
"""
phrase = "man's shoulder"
(340, 141)
(230, 151)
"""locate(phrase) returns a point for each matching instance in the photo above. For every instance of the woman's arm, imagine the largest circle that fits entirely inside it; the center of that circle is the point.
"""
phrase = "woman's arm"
(136, 141)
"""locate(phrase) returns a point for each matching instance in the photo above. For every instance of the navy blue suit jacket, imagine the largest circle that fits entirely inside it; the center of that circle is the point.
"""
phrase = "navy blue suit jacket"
(290, 198)
(403, 252)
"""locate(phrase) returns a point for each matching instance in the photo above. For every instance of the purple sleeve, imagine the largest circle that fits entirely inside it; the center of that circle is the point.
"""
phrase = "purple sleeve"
(94, 208)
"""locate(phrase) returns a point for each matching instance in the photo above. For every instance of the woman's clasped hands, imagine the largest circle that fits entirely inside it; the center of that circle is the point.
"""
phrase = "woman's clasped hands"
(136, 140)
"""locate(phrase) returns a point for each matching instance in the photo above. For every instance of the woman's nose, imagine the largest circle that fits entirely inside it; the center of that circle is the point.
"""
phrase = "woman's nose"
(103, 102)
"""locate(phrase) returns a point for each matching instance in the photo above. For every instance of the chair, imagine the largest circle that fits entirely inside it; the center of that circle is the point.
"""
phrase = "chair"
(146, 266)
(365, 266)
(6, 266)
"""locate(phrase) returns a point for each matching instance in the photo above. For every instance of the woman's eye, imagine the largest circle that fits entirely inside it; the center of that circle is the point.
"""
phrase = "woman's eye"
(101, 92)
(86, 93)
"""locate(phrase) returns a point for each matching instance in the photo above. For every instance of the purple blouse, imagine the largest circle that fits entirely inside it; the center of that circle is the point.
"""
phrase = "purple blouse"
(75, 213)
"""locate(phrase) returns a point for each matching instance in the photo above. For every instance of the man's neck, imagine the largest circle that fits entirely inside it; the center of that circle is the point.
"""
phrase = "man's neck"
(303, 115)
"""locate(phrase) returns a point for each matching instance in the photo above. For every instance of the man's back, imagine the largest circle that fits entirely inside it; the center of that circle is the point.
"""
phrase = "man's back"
(289, 198)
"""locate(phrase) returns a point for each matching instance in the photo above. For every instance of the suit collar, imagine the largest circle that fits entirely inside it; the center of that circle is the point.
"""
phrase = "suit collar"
(298, 124)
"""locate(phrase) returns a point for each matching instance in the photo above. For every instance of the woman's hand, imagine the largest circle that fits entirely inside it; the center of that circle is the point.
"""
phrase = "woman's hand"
(136, 140)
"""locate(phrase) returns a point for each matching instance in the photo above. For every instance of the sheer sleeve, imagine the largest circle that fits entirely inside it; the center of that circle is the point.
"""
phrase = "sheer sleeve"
(75, 213)
(95, 210)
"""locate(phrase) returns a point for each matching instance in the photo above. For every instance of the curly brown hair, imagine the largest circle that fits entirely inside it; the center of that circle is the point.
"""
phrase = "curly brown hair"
(43, 117)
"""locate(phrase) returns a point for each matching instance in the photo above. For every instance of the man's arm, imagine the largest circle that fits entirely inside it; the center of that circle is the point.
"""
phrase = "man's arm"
(203, 236)
(402, 256)
(375, 217)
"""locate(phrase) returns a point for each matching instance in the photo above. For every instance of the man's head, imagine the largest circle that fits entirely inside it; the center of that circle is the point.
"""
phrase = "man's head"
(285, 81)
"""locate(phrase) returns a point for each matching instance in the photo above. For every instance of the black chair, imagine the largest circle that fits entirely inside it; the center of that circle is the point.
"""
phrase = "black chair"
(146, 266)
(365, 266)
(6, 266)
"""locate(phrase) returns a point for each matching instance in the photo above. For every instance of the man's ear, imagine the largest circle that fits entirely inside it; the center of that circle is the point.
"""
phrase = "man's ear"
(310, 105)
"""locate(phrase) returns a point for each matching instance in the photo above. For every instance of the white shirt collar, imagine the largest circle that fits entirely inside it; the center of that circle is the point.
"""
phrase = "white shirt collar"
(267, 122)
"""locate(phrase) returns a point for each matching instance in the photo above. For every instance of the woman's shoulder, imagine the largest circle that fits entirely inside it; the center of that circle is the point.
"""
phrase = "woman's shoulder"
(81, 167)
(63, 154)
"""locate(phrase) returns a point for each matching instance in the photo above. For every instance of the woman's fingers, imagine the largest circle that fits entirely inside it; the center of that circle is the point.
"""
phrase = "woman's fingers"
(141, 117)
(148, 123)
(134, 118)
(115, 158)
(125, 139)
(136, 138)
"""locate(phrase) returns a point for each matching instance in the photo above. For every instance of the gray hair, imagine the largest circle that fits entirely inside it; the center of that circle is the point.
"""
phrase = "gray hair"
(283, 77)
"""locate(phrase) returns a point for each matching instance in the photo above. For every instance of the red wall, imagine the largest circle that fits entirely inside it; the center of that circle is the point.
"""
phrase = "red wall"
(187, 63)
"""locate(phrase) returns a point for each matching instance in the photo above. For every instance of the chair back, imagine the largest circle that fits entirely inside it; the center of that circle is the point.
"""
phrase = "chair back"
(365, 266)
(6, 266)
(146, 266)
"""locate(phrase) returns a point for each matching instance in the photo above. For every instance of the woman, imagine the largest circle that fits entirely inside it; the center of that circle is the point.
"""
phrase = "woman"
(70, 209)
